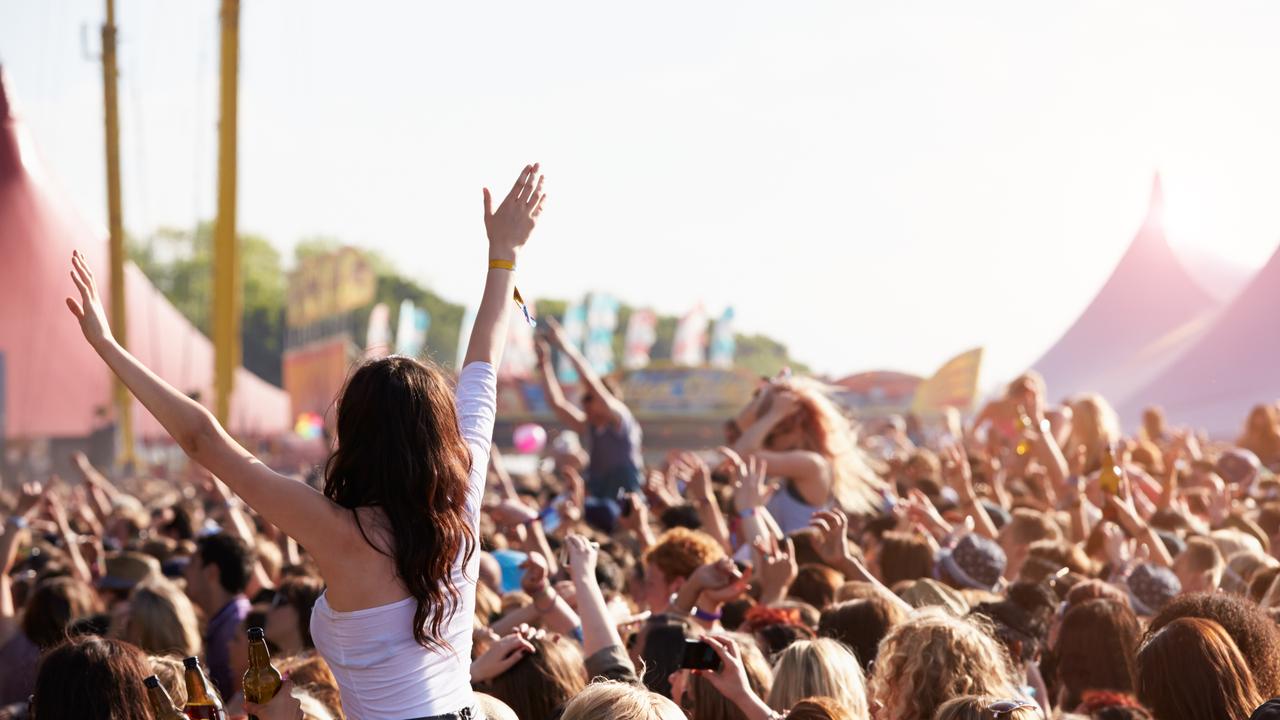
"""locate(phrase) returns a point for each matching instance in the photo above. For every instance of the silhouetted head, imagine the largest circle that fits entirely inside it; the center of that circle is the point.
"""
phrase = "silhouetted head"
(400, 449)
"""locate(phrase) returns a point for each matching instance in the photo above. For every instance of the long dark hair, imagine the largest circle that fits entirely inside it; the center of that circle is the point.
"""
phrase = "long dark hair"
(107, 676)
(400, 449)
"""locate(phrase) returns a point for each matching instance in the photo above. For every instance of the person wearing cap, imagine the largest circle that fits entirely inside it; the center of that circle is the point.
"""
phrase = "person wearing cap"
(973, 563)
(1150, 588)
(217, 576)
(124, 572)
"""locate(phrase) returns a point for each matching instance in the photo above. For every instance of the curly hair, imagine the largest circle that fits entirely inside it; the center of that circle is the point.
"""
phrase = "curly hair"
(1248, 625)
(933, 657)
(680, 551)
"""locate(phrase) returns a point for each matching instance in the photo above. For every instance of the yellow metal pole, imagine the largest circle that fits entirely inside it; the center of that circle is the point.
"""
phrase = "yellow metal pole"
(115, 225)
(226, 261)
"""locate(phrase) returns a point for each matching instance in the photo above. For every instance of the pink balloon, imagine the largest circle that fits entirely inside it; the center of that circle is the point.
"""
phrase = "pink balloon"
(529, 438)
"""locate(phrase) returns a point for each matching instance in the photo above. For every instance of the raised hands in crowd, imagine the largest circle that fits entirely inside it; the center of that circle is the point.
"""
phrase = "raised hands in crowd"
(1033, 563)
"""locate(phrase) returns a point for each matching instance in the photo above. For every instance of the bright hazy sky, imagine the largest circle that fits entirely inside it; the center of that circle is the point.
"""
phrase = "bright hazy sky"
(880, 185)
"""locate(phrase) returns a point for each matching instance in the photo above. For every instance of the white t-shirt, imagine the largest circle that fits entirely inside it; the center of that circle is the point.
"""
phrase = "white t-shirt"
(383, 673)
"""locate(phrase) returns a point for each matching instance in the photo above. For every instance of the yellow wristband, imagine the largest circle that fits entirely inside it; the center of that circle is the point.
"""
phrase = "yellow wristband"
(502, 265)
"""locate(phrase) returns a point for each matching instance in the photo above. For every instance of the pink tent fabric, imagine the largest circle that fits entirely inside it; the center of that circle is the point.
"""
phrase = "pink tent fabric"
(1148, 312)
(54, 384)
(1232, 366)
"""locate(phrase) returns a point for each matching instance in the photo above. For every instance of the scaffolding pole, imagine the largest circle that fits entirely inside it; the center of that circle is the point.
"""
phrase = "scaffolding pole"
(226, 261)
(115, 225)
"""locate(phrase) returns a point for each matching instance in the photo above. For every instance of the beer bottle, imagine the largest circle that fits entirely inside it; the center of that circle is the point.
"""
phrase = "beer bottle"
(261, 680)
(161, 704)
(1024, 424)
(1110, 476)
(203, 702)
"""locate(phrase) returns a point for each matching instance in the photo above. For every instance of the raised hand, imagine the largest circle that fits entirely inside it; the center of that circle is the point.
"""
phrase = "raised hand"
(502, 655)
(582, 556)
(511, 512)
(720, 581)
(536, 572)
(93, 319)
(776, 567)
(29, 496)
(510, 225)
(753, 489)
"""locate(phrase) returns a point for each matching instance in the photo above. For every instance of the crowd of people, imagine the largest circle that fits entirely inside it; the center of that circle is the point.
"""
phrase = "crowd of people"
(1031, 562)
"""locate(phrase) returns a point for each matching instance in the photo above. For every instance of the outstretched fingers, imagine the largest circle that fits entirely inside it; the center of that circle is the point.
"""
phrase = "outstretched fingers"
(521, 182)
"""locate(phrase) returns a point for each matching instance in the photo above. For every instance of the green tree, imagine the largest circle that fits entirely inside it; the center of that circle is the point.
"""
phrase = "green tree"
(179, 262)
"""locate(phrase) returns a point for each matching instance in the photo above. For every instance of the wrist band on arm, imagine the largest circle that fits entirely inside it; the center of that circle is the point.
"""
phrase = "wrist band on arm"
(497, 264)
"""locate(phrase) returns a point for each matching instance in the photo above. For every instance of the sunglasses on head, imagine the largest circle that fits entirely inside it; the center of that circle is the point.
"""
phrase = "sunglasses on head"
(1002, 709)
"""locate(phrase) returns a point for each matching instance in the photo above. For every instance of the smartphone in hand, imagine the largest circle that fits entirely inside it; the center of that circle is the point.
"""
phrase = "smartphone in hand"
(699, 656)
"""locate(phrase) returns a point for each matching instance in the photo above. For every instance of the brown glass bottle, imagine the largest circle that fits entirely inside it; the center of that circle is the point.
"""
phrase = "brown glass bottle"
(161, 704)
(203, 702)
(261, 680)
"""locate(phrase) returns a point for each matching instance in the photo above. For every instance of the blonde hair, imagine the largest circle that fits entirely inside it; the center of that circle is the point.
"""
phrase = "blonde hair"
(612, 700)
(171, 673)
(854, 484)
(1094, 424)
(491, 708)
(822, 667)
(974, 707)
(933, 657)
(161, 620)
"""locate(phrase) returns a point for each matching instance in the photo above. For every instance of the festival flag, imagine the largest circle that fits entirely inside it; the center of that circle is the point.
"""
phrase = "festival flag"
(464, 335)
(722, 341)
(411, 329)
(641, 334)
(690, 343)
(378, 338)
(575, 328)
(954, 385)
(519, 359)
(602, 320)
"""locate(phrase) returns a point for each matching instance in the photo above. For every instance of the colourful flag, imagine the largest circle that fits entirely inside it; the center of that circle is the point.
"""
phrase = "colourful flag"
(411, 329)
(722, 341)
(641, 334)
(575, 328)
(690, 344)
(378, 338)
(954, 385)
(602, 320)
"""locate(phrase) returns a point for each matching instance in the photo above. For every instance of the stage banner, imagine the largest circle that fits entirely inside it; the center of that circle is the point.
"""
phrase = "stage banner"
(314, 374)
(722, 341)
(602, 320)
(323, 286)
(690, 344)
(954, 385)
(878, 393)
(642, 332)
(707, 393)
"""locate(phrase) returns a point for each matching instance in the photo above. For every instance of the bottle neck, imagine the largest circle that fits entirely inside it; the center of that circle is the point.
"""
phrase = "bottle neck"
(197, 688)
(259, 656)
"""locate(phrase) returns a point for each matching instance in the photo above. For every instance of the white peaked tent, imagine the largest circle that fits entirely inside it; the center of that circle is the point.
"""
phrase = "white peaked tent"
(1232, 366)
(1149, 311)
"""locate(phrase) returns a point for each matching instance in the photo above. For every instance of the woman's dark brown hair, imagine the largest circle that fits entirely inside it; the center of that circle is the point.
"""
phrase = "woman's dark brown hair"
(544, 681)
(904, 556)
(53, 605)
(1095, 649)
(400, 449)
(90, 678)
(1192, 670)
(861, 624)
(1253, 632)
(816, 584)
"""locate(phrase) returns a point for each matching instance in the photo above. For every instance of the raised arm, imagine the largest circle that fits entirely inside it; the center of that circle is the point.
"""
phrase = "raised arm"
(571, 415)
(292, 506)
(508, 228)
(588, 374)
